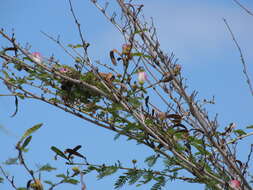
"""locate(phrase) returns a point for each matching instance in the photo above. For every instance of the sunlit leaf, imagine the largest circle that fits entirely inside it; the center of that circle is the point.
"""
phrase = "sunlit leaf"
(71, 181)
(47, 168)
(21, 188)
(48, 182)
(61, 176)
(78, 60)
(137, 54)
(77, 46)
(140, 31)
(239, 132)
(11, 161)
(31, 130)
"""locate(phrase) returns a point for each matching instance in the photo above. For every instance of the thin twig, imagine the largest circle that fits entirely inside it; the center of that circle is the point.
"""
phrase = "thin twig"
(83, 185)
(59, 43)
(84, 44)
(243, 7)
(241, 56)
(248, 160)
(22, 162)
(11, 181)
(239, 138)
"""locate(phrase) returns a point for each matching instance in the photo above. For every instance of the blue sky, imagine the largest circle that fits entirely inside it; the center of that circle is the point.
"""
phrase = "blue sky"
(193, 30)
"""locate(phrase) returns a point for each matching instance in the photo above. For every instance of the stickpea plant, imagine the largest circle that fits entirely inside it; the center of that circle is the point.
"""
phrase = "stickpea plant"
(184, 136)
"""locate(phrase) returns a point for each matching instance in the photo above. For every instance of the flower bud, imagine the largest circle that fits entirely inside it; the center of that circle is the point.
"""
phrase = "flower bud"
(37, 57)
(142, 77)
(235, 184)
(63, 70)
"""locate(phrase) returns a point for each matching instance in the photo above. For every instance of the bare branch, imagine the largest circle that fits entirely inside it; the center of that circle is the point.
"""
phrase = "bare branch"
(10, 180)
(241, 56)
(244, 8)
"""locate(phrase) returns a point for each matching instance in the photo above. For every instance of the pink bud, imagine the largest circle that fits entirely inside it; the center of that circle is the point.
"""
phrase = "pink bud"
(37, 57)
(142, 77)
(63, 70)
(235, 184)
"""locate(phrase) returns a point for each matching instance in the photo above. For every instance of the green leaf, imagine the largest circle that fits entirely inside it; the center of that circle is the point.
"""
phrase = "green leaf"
(250, 127)
(78, 60)
(116, 136)
(137, 54)
(47, 168)
(134, 176)
(239, 132)
(59, 152)
(11, 161)
(148, 56)
(201, 149)
(151, 160)
(147, 177)
(21, 188)
(140, 31)
(62, 176)
(26, 142)
(75, 46)
(1, 180)
(27, 58)
(105, 171)
(120, 182)
(16, 105)
(21, 96)
(31, 130)
(160, 183)
(71, 181)
(91, 168)
(176, 169)
(48, 182)
(140, 55)
(6, 74)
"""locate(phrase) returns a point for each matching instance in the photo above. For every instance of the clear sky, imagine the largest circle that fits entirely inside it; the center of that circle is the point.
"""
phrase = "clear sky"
(193, 30)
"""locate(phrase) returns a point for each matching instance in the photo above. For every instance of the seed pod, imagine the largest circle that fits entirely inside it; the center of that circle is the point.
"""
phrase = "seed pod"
(109, 77)
(126, 49)
(37, 185)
